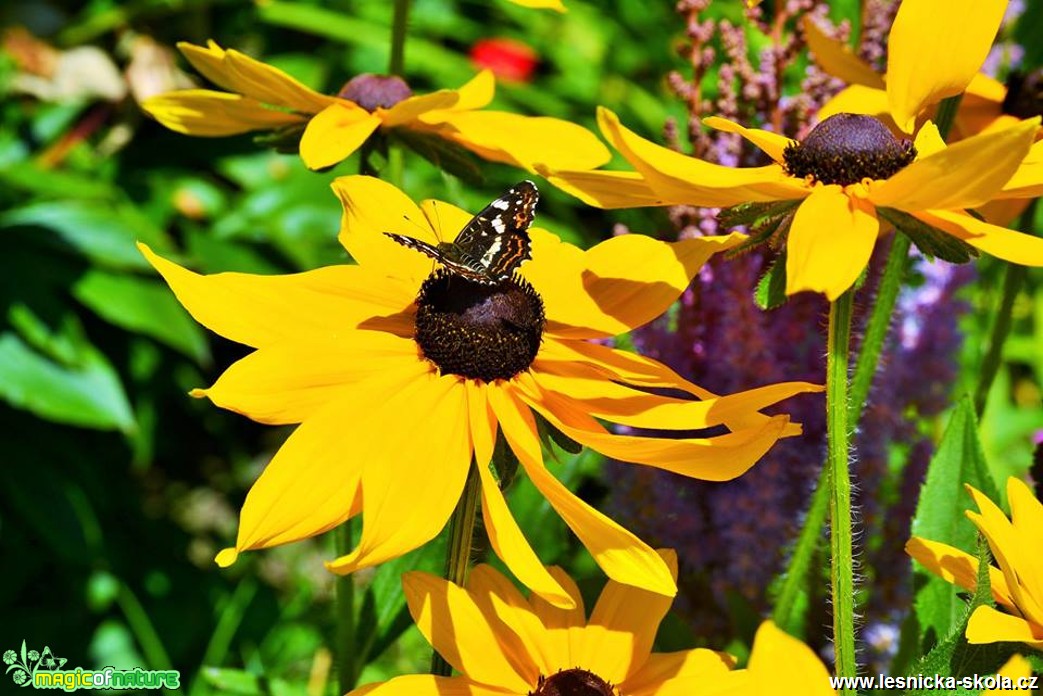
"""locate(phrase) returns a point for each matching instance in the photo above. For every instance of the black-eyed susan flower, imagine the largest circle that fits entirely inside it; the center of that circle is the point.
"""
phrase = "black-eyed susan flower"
(261, 97)
(848, 173)
(399, 376)
(503, 643)
(1017, 585)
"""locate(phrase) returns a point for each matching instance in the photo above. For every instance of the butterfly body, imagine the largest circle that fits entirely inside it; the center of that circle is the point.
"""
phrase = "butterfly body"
(493, 244)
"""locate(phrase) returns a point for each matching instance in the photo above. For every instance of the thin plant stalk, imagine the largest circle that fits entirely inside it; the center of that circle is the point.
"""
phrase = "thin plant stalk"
(399, 24)
(458, 554)
(838, 434)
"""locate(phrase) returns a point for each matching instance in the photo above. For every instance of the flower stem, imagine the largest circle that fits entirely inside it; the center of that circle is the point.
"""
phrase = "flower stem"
(399, 23)
(1013, 279)
(347, 670)
(837, 436)
(458, 555)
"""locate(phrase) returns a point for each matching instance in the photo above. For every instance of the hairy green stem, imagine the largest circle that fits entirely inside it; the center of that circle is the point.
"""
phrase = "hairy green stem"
(399, 23)
(842, 580)
(346, 648)
(458, 554)
(1013, 279)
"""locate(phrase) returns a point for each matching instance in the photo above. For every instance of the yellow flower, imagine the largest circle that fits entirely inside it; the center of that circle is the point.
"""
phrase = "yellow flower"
(388, 432)
(542, 4)
(503, 643)
(1017, 585)
(261, 97)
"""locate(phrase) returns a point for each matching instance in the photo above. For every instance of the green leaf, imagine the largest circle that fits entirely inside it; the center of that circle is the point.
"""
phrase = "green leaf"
(237, 681)
(771, 289)
(88, 394)
(447, 156)
(940, 515)
(143, 306)
(103, 232)
(930, 240)
(549, 434)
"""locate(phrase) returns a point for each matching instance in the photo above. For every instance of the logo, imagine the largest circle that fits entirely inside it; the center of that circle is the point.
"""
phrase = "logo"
(43, 670)
(493, 244)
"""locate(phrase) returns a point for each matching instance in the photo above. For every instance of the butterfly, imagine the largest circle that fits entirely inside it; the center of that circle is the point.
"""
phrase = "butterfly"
(493, 244)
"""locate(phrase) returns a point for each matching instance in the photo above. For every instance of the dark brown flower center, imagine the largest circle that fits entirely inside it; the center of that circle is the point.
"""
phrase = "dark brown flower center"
(1024, 94)
(573, 682)
(374, 91)
(847, 148)
(478, 331)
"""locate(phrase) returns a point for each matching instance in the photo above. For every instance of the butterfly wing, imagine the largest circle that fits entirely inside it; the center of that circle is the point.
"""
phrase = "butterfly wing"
(497, 237)
(463, 266)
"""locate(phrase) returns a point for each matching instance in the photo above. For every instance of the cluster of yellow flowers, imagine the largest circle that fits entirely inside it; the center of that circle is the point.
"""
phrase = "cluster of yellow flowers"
(385, 365)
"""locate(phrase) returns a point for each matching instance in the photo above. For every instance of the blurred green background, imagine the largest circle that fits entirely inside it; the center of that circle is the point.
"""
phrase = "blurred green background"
(117, 489)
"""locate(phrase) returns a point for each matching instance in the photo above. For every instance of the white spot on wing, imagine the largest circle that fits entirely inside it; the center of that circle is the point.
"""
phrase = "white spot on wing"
(500, 204)
(490, 254)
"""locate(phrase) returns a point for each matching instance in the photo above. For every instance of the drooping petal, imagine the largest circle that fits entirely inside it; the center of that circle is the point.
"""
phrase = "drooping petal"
(426, 685)
(934, 50)
(1027, 181)
(619, 635)
(261, 310)
(837, 58)
(720, 458)
(505, 536)
(525, 141)
(1027, 519)
(476, 93)
(697, 666)
(604, 291)
(238, 72)
(416, 450)
(274, 385)
(1000, 242)
(679, 177)
(987, 625)
(409, 110)
(964, 175)
(772, 144)
(206, 113)
(610, 190)
(310, 485)
(830, 242)
(620, 554)
(857, 99)
(556, 618)
(957, 567)
(619, 403)
(335, 133)
(372, 207)
(786, 665)
(461, 633)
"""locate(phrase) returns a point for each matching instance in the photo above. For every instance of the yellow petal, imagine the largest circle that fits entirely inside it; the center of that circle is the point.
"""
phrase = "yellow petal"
(497, 596)
(289, 381)
(830, 242)
(524, 141)
(935, 49)
(542, 4)
(679, 177)
(505, 536)
(238, 72)
(1027, 181)
(558, 618)
(1027, 519)
(957, 567)
(929, 140)
(461, 633)
(619, 284)
(259, 310)
(409, 110)
(206, 113)
(990, 626)
(335, 133)
(618, 638)
(772, 144)
(619, 403)
(837, 59)
(477, 92)
(964, 175)
(1017, 667)
(622, 556)
(856, 99)
(784, 664)
(372, 207)
(604, 189)
(310, 485)
(719, 458)
(660, 668)
(1000, 242)
(415, 451)
(425, 685)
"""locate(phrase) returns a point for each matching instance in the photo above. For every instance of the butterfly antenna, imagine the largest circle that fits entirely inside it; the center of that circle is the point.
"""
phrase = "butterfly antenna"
(421, 228)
